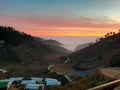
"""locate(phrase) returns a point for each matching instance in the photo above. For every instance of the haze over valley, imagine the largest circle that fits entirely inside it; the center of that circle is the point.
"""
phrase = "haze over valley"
(71, 42)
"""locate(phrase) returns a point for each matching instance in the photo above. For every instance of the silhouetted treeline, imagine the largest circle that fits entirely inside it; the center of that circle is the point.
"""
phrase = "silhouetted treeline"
(110, 36)
(13, 37)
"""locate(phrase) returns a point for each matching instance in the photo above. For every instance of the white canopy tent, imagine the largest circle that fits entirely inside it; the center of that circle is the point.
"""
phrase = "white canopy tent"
(35, 86)
(25, 82)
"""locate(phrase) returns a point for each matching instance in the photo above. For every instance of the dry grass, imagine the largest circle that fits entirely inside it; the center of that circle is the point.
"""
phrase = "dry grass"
(110, 73)
(64, 68)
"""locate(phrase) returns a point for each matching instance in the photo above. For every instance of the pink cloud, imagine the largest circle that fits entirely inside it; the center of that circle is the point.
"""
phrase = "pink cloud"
(46, 24)
(64, 22)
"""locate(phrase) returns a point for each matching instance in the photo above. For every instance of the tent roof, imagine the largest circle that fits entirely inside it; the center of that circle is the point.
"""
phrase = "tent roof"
(3, 84)
(34, 86)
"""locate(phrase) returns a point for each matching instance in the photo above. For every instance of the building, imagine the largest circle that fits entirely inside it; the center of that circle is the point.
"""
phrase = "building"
(34, 87)
(16, 78)
(3, 84)
(25, 82)
(52, 82)
(50, 79)
(38, 80)
(34, 83)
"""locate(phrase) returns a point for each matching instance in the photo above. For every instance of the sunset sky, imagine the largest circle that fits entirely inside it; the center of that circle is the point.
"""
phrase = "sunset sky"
(61, 17)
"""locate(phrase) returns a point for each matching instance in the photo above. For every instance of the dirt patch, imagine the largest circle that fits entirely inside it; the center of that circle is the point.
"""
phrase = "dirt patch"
(64, 69)
(110, 73)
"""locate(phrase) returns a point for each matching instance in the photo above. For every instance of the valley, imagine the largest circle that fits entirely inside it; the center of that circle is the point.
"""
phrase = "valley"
(28, 56)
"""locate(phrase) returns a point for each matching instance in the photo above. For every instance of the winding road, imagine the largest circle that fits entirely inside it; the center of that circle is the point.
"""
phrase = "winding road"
(3, 70)
(66, 61)
(50, 66)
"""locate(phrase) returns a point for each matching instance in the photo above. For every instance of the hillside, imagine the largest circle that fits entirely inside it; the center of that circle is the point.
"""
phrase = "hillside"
(19, 47)
(110, 73)
(81, 46)
(83, 83)
(100, 77)
(20, 52)
(56, 45)
(105, 52)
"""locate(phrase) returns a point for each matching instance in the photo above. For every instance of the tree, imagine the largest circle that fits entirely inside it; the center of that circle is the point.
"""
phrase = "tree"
(12, 36)
(119, 30)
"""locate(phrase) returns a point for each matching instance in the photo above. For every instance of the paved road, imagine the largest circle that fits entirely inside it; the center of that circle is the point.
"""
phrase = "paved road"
(50, 66)
(3, 70)
(68, 78)
(66, 61)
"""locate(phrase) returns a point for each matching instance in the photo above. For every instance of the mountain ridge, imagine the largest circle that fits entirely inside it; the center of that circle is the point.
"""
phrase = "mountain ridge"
(98, 54)
(81, 46)
(21, 47)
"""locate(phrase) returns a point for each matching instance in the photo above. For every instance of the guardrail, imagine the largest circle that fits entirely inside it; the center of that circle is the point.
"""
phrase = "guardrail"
(107, 85)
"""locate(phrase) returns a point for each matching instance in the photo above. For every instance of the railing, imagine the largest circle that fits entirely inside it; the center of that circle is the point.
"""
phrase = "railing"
(107, 85)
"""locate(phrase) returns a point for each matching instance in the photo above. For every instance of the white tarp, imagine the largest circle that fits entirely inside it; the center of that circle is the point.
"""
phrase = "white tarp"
(34, 86)
(50, 79)
(53, 83)
(25, 82)
(36, 79)
(16, 78)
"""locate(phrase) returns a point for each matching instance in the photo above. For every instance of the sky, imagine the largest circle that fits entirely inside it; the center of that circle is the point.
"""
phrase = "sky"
(61, 17)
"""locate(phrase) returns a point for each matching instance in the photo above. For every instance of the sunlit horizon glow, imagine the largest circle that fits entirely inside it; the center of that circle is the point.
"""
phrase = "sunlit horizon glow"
(61, 17)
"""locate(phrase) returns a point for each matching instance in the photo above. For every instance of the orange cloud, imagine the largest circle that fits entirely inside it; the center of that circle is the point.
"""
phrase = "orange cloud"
(47, 26)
